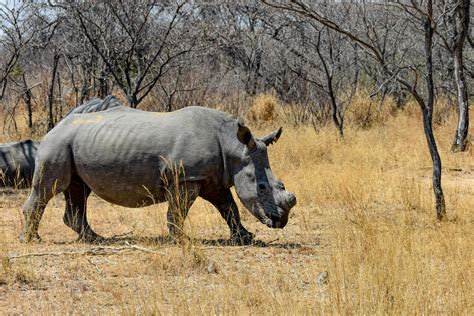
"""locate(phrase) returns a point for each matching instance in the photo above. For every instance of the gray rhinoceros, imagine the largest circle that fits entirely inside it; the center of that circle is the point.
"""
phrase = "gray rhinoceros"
(17, 163)
(135, 158)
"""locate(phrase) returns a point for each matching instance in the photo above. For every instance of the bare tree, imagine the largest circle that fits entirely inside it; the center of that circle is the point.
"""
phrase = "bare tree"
(455, 35)
(240, 35)
(373, 45)
(18, 31)
(137, 42)
(25, 30)
(323, 58)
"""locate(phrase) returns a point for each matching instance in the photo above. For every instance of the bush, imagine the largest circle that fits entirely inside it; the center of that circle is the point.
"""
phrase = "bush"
(366, 112)
(264, 109)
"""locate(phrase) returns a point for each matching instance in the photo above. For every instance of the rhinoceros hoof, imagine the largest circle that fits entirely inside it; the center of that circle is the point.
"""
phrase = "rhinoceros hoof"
(92, 239)
(242, 238)
(28, 237)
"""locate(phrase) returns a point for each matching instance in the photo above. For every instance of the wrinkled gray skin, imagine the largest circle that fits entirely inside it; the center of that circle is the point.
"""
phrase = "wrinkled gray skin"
(17, 159)
(125, 157)
(17, 163)
(96, 105)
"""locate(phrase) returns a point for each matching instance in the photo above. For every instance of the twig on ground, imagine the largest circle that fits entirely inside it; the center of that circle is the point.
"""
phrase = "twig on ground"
(272, 241)
(96, 251)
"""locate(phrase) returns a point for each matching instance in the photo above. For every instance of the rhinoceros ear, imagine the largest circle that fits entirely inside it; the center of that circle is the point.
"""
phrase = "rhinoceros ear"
(272, 137)
(245, 135)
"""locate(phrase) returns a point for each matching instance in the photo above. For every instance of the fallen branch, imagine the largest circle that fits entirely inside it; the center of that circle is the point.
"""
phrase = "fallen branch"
(102, 250)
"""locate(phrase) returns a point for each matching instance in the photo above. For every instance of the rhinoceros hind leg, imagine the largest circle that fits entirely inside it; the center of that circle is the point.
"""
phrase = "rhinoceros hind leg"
(226, 205)
(52, 176)
(33, 210)
(180, 200)
(75, 215)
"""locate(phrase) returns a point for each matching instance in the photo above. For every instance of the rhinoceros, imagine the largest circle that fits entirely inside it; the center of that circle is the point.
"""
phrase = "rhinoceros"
(17, 163)
(135, 158)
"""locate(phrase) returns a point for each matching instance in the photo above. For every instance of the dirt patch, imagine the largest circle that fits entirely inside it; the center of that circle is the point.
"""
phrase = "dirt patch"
(140, 270)
(461, 179)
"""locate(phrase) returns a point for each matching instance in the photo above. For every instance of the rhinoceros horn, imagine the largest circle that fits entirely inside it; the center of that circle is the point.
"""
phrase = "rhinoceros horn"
(272, 137)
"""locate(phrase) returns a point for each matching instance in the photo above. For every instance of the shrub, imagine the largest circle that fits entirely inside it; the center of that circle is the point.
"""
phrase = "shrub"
(264, 109)
(366, 112)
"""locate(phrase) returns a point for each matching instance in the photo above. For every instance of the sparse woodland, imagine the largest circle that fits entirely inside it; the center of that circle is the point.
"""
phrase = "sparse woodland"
(374, 98)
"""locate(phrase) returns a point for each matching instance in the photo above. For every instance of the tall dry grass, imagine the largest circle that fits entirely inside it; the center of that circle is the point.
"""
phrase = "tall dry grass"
(372, 188)
(365, 214)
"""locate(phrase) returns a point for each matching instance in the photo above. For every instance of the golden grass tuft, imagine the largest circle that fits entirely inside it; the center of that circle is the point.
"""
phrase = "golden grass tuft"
(20, 273)
(366, 112)
(191, 259)
(264, 109)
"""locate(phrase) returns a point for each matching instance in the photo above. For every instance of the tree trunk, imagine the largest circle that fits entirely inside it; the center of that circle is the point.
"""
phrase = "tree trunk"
(51, 92)
(103, 85)
(460, 138)
(438, 191)
(84, 89)
(169, 107)
(132, 101)
(59, 112)
(337, 116)
(461, 26)
(28, 102)
(73, 81)
(86, 70)
(427, 110)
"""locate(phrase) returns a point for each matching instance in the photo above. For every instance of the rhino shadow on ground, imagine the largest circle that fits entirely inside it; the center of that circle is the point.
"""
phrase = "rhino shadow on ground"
(167, 240)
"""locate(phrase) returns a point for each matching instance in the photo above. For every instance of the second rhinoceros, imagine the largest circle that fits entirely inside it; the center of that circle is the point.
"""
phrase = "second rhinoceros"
(135, 158)
(17, 163)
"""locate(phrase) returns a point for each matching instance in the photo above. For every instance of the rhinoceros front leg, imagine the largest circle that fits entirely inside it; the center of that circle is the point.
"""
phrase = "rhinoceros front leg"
(75, 215)
(180, 199)
(224, 202)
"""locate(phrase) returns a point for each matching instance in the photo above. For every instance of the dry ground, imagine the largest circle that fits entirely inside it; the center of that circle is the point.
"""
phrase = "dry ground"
(365, 215)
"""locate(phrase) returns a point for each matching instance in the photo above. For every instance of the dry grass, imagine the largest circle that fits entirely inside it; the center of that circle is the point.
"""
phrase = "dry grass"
(366, 112)
(264, 109)
(365, 214)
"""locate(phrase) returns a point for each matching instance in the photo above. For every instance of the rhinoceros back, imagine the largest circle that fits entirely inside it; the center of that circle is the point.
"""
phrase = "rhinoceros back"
(96, 105)
(134, 151)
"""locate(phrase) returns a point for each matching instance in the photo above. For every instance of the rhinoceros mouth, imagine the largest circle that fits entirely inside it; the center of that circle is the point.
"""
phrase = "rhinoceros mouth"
(279, 221)
(275, 219)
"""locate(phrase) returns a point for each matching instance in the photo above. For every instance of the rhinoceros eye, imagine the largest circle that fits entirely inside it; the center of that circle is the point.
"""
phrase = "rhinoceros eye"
(249, 173)
(281, 186)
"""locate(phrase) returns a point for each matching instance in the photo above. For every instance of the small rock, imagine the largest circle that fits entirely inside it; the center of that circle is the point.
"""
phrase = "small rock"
(212, 268)
(323, 278)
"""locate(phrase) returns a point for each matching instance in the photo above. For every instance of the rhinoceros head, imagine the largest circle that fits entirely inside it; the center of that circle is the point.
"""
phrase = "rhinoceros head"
(260, 192)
